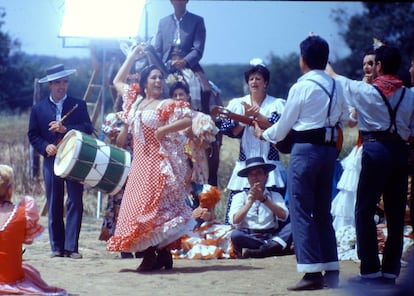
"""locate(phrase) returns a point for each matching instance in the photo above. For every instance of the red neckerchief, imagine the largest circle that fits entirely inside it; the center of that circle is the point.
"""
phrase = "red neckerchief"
(388, 84)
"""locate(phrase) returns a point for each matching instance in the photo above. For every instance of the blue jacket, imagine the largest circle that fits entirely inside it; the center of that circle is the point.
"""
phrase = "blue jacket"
(45, 111)
(193, 38)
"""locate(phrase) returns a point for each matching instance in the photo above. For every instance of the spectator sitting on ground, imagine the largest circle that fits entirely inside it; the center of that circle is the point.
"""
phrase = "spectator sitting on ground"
(256, 214)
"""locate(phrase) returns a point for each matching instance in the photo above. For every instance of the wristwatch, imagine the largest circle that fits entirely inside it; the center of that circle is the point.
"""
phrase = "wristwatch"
(264, 198)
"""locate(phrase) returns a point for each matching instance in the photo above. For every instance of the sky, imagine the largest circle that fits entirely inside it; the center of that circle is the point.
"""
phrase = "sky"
(237, 31)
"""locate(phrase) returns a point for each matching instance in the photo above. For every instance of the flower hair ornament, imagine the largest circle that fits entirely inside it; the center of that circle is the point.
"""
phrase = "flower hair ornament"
(173, 78)
(377, 43)
(256, 62)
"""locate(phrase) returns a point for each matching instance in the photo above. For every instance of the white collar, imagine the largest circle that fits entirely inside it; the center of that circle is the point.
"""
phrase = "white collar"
(60, 103)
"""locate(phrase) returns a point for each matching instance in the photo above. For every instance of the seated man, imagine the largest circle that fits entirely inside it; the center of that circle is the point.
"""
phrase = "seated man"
(256, 214)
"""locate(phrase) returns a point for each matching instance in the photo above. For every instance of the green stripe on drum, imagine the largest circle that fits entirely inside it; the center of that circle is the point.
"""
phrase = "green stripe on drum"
(114, 171)
(86, 159)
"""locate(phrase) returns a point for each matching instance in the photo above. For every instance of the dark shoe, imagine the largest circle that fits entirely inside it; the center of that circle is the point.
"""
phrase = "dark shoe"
(246, 253)
(331, 279)
(388, 281)
(125, 255)
(139, 254)
(310, 281)
(56, 254)
(269, 249)
(73, 255)
(149, 261)
(378, 281)
(164, 259)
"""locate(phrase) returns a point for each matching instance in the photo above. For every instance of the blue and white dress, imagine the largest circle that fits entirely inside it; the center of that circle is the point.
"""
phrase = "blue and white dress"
(251, 146)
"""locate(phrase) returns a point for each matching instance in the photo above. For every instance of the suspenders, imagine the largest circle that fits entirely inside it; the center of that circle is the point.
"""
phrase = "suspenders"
(333, 133)
(393, 125)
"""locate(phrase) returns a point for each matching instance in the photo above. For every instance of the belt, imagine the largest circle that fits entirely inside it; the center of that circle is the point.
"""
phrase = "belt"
(269, 230)
(380, 136)
(313, 136)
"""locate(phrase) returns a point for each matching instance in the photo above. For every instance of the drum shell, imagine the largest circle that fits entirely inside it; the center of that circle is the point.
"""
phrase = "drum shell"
(90, 161)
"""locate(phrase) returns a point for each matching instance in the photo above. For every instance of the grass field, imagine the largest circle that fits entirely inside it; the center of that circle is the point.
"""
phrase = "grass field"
(15, 151)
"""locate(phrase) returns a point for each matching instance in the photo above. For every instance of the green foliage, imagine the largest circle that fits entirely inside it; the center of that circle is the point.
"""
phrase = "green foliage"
(11, 78)
(391, 22)
(284, 72)
(229, 78)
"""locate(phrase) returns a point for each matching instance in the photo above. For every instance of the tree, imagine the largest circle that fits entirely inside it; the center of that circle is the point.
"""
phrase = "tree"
(284, 73)
(228, 78)
(391, 22)
(11, 78)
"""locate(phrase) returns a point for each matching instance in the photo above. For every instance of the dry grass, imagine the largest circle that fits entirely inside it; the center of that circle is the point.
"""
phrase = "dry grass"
(15, 151)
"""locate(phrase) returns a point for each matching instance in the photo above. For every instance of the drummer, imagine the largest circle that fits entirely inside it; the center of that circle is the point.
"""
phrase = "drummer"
(50, 119)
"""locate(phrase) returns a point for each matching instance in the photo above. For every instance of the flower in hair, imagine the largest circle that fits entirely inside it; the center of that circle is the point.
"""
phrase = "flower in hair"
(173, 78)
(257, 61)
(377, 43)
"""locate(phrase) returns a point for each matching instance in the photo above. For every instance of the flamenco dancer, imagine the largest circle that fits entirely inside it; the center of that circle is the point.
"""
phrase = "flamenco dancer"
(153, 211)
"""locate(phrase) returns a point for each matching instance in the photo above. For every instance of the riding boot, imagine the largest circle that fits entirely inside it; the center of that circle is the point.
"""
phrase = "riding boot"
(269, 249)
(164, 259)
(205, 101)
(149, 260)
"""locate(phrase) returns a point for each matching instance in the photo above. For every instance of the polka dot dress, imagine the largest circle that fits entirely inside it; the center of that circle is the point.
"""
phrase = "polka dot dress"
(153, 210)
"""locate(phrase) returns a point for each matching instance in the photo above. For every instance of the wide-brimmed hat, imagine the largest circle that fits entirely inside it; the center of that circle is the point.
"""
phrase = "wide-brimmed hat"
(56, 72)
(255, 163)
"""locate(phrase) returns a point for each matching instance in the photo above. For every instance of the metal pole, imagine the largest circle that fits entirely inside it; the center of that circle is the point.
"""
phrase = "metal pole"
(101, 136)
(146, 21)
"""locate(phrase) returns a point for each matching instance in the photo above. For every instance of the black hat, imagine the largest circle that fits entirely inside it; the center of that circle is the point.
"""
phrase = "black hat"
(254, 163)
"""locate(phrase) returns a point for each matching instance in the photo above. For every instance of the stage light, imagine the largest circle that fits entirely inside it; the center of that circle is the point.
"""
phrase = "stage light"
(100, 19)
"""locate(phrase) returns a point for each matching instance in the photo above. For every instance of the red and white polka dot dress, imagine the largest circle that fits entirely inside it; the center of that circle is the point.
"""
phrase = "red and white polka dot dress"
(153, 210)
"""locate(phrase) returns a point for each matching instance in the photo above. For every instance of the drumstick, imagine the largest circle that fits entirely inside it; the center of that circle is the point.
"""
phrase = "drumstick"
(69, 112)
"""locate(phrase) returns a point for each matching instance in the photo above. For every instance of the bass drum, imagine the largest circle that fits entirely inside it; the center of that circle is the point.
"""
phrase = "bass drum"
(90, 161)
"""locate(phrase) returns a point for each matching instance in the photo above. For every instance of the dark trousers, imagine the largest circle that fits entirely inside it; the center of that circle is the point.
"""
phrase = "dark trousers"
(254, 239)
(383, 172)
(213, 156)
(205, 91)
(411, 173)
(61, 237)
(310, 173)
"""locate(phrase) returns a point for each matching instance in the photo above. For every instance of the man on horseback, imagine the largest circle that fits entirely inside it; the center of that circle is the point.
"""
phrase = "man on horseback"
(180, 44)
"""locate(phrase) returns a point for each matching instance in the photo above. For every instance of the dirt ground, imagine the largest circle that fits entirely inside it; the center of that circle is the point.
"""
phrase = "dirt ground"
(104, 273)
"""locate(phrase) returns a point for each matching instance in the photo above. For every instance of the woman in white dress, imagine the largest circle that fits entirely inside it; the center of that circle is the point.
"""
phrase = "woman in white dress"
(266, 110)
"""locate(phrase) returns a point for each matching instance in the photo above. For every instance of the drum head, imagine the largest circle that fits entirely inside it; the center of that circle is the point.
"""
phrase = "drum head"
(66, 155)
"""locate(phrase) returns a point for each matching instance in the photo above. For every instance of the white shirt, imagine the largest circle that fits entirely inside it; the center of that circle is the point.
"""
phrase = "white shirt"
(259, 215)
(373, 114)
(254, 147)
(307, 106)
(59, 107)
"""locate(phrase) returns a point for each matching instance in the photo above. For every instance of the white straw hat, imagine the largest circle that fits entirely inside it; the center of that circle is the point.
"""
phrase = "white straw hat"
(56, 72)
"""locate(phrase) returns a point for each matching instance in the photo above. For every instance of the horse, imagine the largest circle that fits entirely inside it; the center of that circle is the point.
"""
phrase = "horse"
(150, 57)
